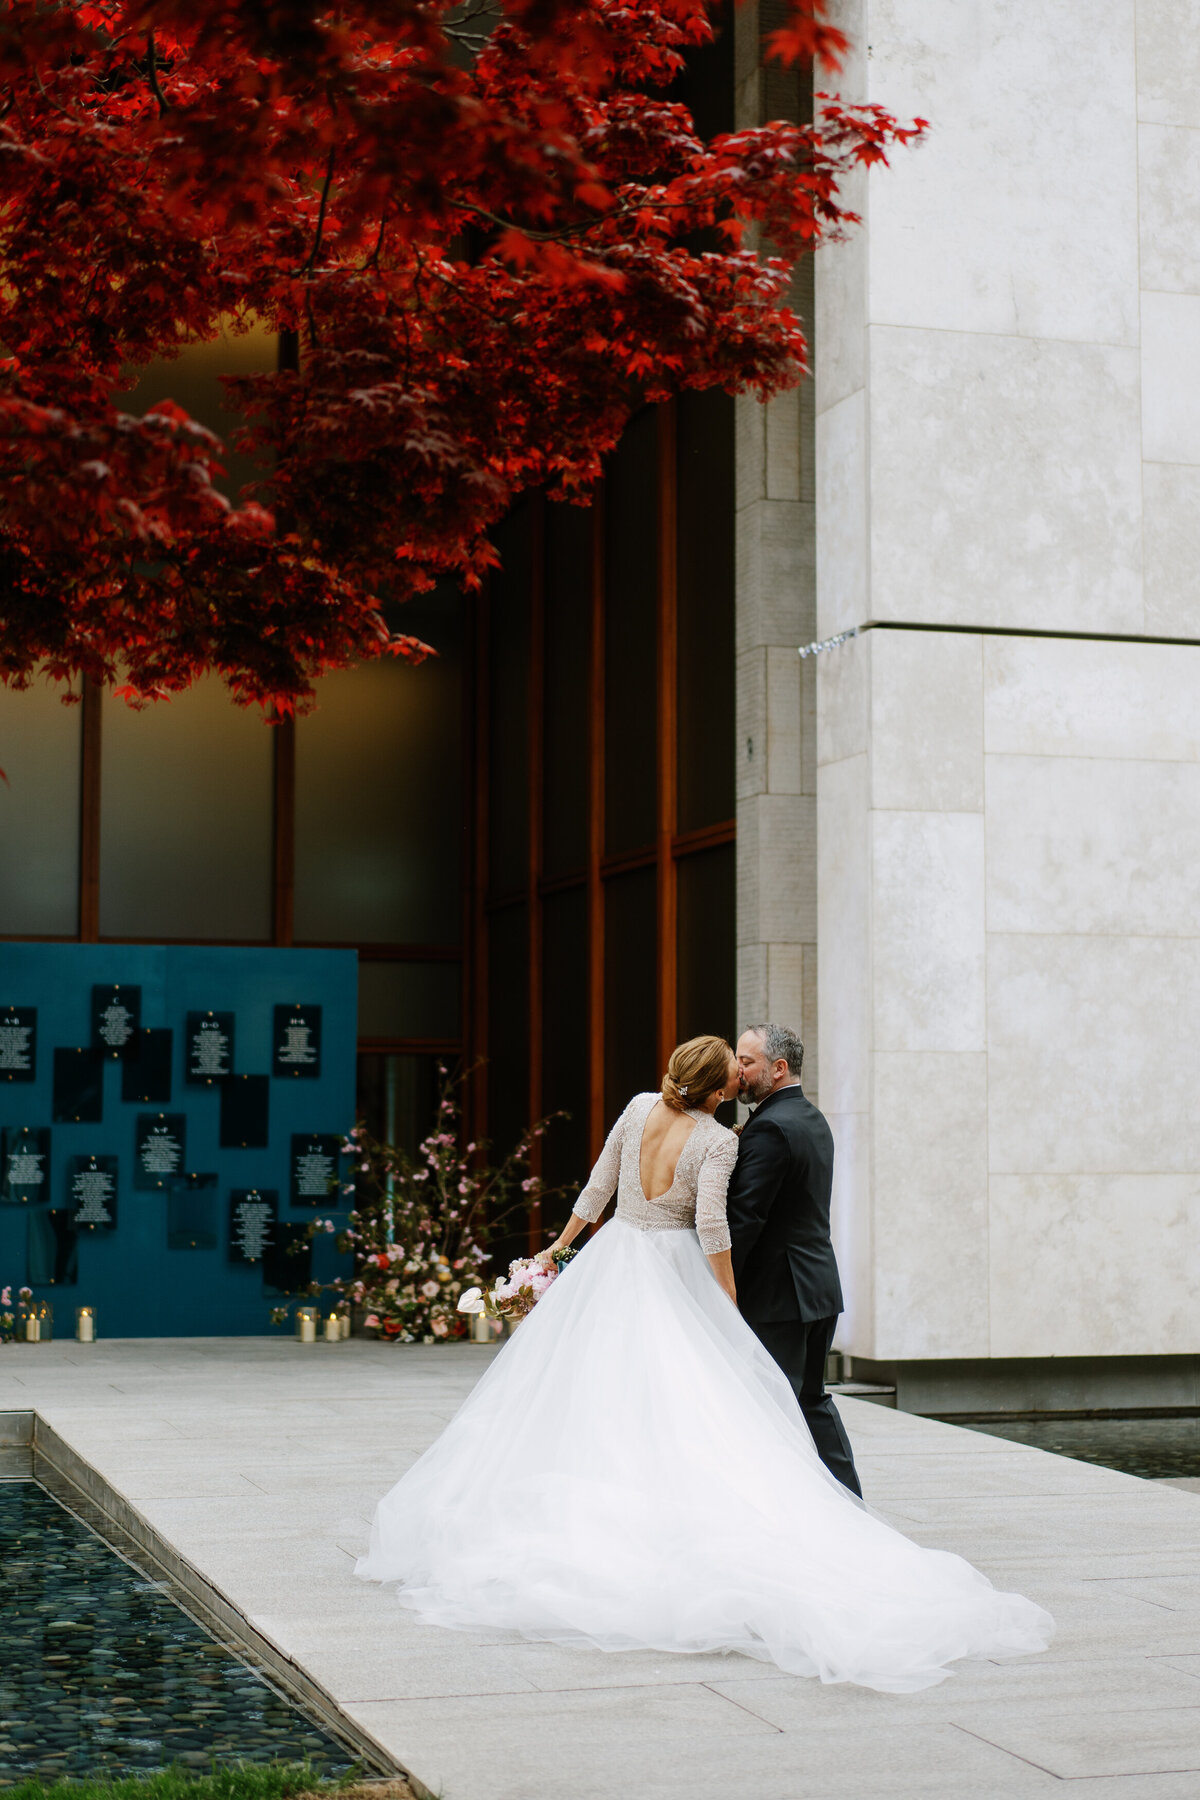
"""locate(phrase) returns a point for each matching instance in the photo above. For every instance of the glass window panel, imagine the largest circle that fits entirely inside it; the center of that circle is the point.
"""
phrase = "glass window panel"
(706, 611)
(706, 980)
(379, 822)
(39, 813)
(630, 990)
(185, 818)
(193, 380)
(631, 585)
(508, 707)
(397, 1097)
(409, 1000)
(705, 85)
(565, 1034)
(508, 1027)
(568, 631)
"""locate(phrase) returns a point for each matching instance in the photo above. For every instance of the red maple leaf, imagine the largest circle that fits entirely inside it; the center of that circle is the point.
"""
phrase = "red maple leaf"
(482, 247)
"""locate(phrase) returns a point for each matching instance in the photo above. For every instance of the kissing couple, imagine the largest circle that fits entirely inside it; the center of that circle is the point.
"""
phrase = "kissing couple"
(653, 1461)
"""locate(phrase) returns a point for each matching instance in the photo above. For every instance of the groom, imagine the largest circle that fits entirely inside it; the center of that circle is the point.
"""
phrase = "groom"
(783, 1262)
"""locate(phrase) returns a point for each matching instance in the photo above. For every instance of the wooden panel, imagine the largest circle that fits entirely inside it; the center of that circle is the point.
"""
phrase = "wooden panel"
(666, 723)
(475, 988)
(284, 735)
(89, 815)
(537, 700)
(595, 703)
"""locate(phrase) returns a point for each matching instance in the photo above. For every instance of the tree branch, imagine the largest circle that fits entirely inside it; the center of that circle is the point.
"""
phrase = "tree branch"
(164, 105)
(326, 185)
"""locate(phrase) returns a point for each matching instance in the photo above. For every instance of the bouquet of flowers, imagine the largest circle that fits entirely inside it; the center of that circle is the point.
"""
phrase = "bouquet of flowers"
(420, 1226)
(8, 1318)
(516, 1294)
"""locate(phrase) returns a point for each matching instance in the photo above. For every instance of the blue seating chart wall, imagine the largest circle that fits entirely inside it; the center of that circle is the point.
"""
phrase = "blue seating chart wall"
(172, 1216)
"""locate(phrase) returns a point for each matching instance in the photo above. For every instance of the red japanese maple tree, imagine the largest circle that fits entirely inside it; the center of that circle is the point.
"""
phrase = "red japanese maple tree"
(482, 227)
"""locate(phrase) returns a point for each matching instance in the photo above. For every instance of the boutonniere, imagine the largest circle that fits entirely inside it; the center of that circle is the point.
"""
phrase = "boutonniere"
(737, 1130)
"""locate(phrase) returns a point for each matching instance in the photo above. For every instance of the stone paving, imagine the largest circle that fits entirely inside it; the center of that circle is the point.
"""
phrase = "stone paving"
(260, 1461)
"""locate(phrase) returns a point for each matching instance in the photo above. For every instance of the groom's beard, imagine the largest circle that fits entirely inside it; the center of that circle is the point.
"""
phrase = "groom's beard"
(754, 1092)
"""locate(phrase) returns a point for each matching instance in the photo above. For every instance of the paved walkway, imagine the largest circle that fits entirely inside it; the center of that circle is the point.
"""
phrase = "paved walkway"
(260, 1461)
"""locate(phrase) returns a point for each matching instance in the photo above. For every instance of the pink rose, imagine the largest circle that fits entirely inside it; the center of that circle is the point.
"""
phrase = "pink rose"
(372, 1320)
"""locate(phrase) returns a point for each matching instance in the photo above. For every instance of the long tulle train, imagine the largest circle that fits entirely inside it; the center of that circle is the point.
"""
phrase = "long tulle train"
(633, 1471)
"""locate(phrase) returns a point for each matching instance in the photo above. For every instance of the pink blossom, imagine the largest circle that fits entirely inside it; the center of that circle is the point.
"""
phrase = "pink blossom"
(372, 1319)
(329, 1225)
(439, 1328)
(464, 1187)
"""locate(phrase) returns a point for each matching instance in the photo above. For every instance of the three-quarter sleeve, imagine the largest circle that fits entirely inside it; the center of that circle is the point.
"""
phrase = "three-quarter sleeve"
(602, 1182)
(712, 1227)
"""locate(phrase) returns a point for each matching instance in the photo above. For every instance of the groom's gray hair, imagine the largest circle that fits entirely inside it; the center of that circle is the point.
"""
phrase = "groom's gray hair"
(780, 1040)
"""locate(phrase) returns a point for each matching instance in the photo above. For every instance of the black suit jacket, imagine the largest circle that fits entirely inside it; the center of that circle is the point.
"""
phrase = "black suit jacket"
(783, 1260)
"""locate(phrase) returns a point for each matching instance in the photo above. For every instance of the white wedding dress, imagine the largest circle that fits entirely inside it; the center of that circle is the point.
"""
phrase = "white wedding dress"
(634, 1472)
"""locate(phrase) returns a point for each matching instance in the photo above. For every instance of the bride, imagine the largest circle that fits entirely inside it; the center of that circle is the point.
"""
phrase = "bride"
(634, 1471)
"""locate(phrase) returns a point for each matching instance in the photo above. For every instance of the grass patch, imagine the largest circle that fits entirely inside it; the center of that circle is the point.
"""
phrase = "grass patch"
(275, 1781)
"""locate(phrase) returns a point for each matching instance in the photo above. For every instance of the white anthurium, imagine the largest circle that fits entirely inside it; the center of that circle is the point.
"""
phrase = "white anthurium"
(472, 1301)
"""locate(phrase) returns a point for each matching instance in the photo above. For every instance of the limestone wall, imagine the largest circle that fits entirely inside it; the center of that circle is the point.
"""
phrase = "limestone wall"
(1008, 437)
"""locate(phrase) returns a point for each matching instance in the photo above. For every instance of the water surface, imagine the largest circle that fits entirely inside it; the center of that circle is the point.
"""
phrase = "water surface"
(102, 1673)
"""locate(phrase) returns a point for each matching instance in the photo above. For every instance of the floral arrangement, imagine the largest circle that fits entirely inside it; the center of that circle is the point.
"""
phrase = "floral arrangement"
(8, 1318)
(516, 1294)
(420, 1226)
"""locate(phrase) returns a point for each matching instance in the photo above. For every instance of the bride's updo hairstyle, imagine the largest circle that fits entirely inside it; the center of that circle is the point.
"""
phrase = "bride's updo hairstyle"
(694, 1071)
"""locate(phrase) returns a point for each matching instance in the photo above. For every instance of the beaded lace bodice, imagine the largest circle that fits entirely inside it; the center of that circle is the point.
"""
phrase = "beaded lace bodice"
(695, 1198)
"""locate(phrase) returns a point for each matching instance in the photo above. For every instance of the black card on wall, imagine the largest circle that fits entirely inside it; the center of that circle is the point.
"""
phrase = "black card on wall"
(78, 1088)
(52, 1249)
(287, 1263)
(208, 1047)
(24, 1165)
(159, 1149)
(146, 1075)
(192, 1213)
(92, 1192)
(245, 1112)
(18, 1043)
(252, 1223)
(296, 1046)
(116, 1020)
(314, 1169)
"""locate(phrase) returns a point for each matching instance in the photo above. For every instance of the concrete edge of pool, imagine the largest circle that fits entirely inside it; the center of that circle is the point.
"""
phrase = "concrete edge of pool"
(260, 1462)
(30, 1449)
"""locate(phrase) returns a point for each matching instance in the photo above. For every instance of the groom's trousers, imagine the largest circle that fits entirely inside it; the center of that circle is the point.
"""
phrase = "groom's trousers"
(800, 1347)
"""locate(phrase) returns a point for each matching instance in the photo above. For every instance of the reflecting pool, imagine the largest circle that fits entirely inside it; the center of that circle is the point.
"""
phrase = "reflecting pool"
(1154, 1448)
(103, 1673)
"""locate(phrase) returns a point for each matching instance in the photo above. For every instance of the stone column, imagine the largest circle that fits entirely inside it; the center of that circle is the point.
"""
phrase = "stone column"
(776, 612)
(1008, 497)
